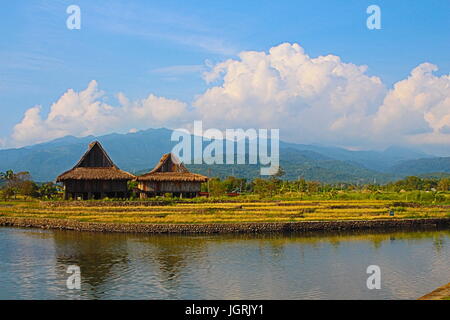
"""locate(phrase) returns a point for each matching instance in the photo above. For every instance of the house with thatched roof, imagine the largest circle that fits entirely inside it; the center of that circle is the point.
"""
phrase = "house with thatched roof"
(170, 176)
(95, 176)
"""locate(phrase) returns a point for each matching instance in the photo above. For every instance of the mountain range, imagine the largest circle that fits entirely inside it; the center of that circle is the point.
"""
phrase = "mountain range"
(140, 151)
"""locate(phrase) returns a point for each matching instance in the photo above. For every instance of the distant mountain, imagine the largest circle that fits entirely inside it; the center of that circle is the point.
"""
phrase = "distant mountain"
(434, 175)
(140, 151)
(303, 164)
(375, 160)
(422, 166)
(131, 152)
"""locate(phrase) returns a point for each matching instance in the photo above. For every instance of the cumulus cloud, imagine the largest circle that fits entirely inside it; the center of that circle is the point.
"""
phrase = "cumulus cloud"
(310, 99)
(84, 113)
(417, 109)
(307, 98)
(326, 100)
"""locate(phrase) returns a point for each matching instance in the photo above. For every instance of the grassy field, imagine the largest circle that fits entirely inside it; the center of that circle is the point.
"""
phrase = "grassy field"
(279, 211)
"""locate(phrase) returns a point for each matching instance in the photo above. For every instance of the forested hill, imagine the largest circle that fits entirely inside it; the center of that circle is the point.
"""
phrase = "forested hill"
(422, 166)
(140, 151)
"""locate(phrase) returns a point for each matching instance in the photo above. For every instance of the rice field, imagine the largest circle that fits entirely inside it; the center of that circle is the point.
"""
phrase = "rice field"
(280, 211)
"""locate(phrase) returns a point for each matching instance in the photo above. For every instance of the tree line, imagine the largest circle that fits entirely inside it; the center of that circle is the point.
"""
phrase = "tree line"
(13, 184)
(276, 185)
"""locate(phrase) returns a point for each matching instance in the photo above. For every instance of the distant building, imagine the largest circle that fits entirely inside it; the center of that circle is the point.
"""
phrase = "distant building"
(170, 176)
(95, 176)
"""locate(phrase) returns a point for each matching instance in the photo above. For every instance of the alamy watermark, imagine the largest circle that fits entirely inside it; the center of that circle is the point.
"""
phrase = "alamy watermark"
(236, 146)
(73, 22)
(374, 280)
(73, 282)
(374, 20)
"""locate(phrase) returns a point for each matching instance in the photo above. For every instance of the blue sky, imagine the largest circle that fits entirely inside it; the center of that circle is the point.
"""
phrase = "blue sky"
(163, 47)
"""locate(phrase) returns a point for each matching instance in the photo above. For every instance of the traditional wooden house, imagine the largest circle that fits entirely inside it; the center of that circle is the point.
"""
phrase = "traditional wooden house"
(170, 176)
(95, 176)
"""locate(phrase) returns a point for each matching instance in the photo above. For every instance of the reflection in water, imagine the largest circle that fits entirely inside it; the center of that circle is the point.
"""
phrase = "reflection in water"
(272, 266)
(96, 256)
(168, 258)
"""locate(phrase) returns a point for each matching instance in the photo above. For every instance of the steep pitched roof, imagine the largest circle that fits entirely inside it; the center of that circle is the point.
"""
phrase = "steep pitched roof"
(95, 157)
(170, 168)
(95, 164)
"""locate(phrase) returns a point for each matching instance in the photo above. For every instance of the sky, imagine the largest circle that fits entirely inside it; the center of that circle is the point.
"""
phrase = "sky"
(309, 68)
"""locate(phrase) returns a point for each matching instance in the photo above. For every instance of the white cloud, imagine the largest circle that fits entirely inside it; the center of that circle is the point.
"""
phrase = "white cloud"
(311, 100)
(325, 100)
(417, 109)
(84, 113)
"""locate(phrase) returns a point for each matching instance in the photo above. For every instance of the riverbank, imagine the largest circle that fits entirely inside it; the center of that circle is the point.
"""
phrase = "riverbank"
(211, 228)
(441, 293)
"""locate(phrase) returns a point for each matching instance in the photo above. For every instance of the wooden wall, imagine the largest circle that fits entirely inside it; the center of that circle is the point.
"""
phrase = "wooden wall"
(82, 186)
(169, 187)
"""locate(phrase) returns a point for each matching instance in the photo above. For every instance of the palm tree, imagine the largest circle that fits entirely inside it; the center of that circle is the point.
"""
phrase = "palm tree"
(8, 175)
(13, 180)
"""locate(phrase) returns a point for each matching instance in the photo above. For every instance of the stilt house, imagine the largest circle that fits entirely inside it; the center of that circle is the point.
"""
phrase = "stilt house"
(170, 176)
(95, 176)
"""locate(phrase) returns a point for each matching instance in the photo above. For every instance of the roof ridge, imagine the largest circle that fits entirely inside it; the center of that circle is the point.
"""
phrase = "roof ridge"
(166, 157)
(112, 167)
(91, 146)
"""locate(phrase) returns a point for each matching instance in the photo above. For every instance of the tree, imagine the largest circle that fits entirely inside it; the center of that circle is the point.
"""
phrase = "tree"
(265, 187)
(233, 184)
(444, 184)
(8, 175)
(28, 189)
(313, 186)
(132, 187)
(216, 187)
(260, 186)
(48, 190)
(14, 181)
(7, 193)
(302, 185)
(280, 172)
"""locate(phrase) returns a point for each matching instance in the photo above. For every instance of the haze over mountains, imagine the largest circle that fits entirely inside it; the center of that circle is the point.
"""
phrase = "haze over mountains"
(140, 151)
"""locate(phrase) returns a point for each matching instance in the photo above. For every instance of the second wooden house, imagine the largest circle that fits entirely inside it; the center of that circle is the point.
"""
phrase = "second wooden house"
(170, 176)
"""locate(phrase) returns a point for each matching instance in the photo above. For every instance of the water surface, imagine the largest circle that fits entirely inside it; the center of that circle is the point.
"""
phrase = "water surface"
(33, 265)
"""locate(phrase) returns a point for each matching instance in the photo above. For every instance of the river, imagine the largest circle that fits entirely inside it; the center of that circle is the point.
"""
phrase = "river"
(34, 263)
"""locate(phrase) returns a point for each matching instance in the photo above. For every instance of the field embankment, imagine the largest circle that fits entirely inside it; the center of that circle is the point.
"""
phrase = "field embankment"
(244, 227)
(222, 217)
